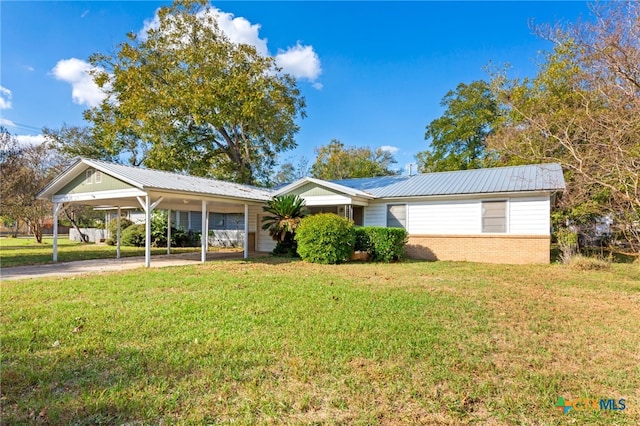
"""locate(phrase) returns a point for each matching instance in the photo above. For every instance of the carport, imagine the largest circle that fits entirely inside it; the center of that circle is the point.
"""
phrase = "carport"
(109, 186)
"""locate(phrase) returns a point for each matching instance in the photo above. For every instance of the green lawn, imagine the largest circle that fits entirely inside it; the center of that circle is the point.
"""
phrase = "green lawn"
(24, 251)
(270, 341)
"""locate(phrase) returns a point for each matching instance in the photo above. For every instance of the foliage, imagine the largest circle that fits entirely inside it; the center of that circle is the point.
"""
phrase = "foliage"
(567, 243)
(289, 172)
(24, 171)
(325, 238)
(383, 244)
(182, 97)
(582, 110)
(159, 228)
(284, 215)
(112, 227)
(133, 236)
(182, 238)
(335, 161)
(76, 141)
(459, 137)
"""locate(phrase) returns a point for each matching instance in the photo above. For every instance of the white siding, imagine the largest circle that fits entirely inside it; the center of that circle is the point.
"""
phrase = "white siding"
(254, 211)
(264, 242)
(461, 217)
(375, 214)
(529, 216)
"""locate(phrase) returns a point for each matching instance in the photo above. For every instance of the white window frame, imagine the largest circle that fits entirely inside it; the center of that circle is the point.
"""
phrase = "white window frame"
(97, 176)
(387, 211)
(506, 215)
(88, 177)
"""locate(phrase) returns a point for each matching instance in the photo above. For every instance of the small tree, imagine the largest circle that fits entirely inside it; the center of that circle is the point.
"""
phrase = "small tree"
(286, 212)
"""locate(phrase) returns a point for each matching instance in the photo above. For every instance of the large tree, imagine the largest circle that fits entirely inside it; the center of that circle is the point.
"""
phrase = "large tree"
(76, 141)
(582, 110)
(459, 137)
(24, 171)
(183, 97)
(335, 161)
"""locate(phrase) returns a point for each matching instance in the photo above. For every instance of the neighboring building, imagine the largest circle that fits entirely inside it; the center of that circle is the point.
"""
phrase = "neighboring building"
(499, 215)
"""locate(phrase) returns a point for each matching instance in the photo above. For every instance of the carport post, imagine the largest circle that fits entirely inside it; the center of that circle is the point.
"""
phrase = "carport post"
(147, 231)
(118, 234)
(56, 210)
(246, 230)
(169, 231)
(205, 231)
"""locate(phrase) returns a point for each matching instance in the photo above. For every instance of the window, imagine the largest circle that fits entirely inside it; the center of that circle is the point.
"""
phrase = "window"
(228, 221)
(396, 216)
(97, 176)
(494, 216)
(89, 177)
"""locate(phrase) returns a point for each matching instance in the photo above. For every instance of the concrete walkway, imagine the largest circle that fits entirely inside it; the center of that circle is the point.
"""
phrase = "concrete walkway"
(105, 265)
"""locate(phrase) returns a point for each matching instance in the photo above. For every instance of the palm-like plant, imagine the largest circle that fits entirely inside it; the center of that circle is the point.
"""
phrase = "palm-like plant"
(285, 214)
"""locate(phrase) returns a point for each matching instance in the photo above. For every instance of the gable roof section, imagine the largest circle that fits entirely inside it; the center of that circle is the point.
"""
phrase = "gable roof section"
(530, 178)
(335, 185)
(148, 179)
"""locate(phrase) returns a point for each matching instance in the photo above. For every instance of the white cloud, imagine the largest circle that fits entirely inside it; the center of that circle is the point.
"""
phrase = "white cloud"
(29, 68)
(389, 148)
(5, 98)
(76, 72)
(240, 30)
(30, 139)
(6, 122)
(300, 61)
(85, 13)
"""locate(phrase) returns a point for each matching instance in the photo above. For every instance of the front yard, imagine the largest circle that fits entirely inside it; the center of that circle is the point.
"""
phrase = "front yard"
(271, 341)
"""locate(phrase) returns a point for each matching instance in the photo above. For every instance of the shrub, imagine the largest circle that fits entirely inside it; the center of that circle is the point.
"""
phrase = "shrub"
(113, 226)
(133, 236)
(567, 244)
(180, 238)
(325, 238)
(382, 244)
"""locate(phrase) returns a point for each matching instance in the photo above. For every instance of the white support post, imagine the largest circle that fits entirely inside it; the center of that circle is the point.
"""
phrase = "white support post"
(147, 232)
(118, 233)
(205, 231)
(148, 208)
(169, 231)
(56, 211)
(246, 231)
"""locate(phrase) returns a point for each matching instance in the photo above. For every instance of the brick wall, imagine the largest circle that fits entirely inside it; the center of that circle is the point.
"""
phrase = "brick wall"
(481, 248)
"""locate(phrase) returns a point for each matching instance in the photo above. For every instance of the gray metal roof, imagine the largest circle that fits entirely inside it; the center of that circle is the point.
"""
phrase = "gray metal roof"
(539, 177)
(157, 179)
(147, 179)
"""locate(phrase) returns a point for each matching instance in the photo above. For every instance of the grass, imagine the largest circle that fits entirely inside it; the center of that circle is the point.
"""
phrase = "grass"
(24, 251)
(274, 341)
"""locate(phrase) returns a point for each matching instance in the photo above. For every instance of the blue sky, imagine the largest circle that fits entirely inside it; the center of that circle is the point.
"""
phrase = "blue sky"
(372, 73)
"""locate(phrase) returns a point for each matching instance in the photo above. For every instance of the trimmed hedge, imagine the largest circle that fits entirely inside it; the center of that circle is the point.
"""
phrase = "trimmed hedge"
(325, 238)
(382, 244)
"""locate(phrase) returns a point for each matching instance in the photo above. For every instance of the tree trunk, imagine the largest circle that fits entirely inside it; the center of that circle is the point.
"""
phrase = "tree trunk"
(83, 237)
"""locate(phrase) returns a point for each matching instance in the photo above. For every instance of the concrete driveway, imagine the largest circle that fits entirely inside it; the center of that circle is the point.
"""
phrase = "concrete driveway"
(105, 265)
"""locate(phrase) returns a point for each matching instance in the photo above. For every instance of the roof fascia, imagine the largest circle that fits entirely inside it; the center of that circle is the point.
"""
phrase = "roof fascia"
(473, 196)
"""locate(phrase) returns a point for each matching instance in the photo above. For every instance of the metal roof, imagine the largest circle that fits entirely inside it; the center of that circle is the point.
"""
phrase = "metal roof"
(146, 179)
(538, 177)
